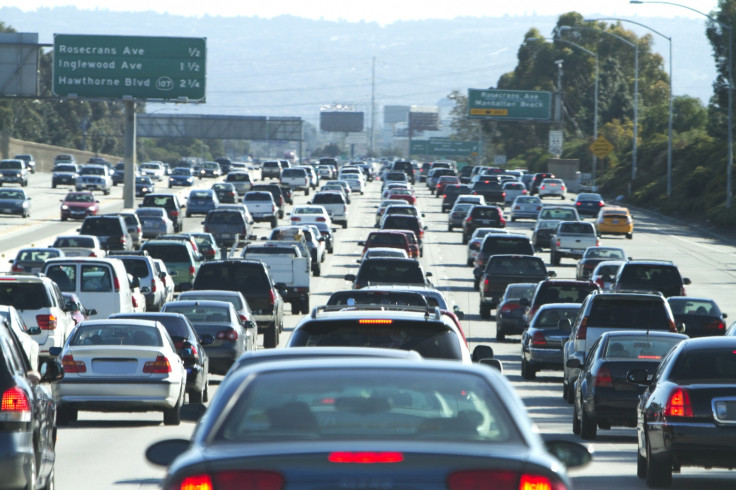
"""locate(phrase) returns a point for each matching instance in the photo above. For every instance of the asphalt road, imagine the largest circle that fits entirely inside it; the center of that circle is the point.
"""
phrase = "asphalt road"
(105, 450)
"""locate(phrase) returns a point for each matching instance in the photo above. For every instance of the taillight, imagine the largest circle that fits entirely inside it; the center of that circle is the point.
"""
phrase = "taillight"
(486, 283)
(295, 218)
(365, 457)
(206, 229)
(501, 480)
(116, 283)
(160, 366)
(192, 270)
(228, 334)
(46, 322)
(233, 480)
(716, 326)
(173, 214)
(538, 339)
(582, 329)
(271, 297)
(603, 379)
(678, 404)
(557, 242)
(15, 406)
(72, 366)
(321, 219)
(17, 268)
(509, 307)
(134, 301)
(598, 242)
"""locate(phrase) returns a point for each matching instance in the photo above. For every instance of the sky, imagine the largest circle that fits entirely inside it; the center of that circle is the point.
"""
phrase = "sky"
(381, 11)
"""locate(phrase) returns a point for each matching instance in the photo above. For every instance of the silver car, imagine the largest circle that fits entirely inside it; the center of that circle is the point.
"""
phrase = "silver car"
(154, 222)
(525, 207)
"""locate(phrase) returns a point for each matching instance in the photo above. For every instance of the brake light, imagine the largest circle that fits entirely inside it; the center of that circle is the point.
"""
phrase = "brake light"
(375, 321)
(206, 229)
(228, 334)
(538, 339)
(486, 283)
(173, 214)
(17, 268)
(72, 366)
(500, 480)
(365, 457)
(715, 325)
(603, 379)
(582, 329)
(46, 322)
(578, 204)
(134, 301)
(271, 297)
(321, 219)
(233, 480)
(192, 270)
(678, 404)
(15, 406)
(116, 283)
(160, 366)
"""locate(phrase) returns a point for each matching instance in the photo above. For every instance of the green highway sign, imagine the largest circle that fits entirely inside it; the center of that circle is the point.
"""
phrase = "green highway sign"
(509, 104)
(443, 147)
(167, 68)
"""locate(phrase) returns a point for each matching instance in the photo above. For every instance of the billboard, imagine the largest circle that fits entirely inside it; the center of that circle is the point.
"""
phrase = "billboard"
(395, 114)
(341, 121)
(424, 118)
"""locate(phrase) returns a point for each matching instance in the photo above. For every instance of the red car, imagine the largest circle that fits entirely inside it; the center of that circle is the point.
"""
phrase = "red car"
(79, 205)
(405, 194)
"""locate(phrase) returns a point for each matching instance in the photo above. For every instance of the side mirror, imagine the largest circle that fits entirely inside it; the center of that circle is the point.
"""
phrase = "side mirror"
(458, 312)
(54, 351)
(574, 363)
(51, 370)
(551, 273)
(428, 274)
(91, 312)
(524, 302)
(34, 331)
(163, 453)
(686, 281)
(361, 243)
(494, 363)
(280, 285)
(350, 277)
(482, 352)
(145, 289)
(571, 454)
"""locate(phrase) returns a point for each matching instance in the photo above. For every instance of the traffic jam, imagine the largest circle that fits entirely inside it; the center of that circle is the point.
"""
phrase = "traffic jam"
(374, 324)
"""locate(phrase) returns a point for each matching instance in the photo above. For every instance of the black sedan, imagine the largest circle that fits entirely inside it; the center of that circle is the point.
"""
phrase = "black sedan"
(589, 203)
(700, 317)
(510, 310)
(189, 346)
(543, 341)
(687, 415)
(603, 396)
(340, 422)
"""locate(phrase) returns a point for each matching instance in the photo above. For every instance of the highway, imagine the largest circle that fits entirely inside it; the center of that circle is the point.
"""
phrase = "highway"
(105, 450)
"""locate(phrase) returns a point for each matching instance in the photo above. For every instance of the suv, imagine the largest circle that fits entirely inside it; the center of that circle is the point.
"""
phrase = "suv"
(482, 217)
(503, 270)
(94, 178)
(558, 291)
(392, 270)
(278, 193)
(30, 161)
(252, 279)
(651, 275)
(13, 171)
(180, 258)
(610, 311)
(240, 180)
(141, 266)
(228, 226)
(335, 204)
(39, 301)
(111, 230)
(451, 193)
(296, 178)
(406, 167)
(171, 203)
(390, 239)
(64, 173)
(271, 170)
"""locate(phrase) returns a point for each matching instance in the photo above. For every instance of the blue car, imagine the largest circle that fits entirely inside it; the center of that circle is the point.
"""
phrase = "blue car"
(201, 201)
(15, 201)
(181, 176)
(143, 185)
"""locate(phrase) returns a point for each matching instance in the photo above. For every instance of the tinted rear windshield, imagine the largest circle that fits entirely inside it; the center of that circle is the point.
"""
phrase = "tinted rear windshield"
(390, 271)
(332, 198)
(24, 296)
(706, 364)
(248, 278)
(563, 293)
(517, 266)
(429, 339)
(358, 297)
(170, 252)
(507, 245)
(629, 313)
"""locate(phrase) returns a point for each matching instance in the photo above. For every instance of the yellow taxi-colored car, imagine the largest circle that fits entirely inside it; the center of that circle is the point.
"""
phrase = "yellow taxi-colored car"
(614, 220)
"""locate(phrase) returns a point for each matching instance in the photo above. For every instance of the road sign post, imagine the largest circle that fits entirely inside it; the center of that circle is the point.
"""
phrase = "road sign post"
(137, 67)
(509, 105)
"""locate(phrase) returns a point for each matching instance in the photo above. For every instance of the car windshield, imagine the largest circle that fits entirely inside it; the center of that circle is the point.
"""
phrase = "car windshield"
(65, 168)
(96, 334)
(11, 194)
(199, 313)
(344, 405)
(11, 164)
(640, 347)
(181, 171)
(74, 197)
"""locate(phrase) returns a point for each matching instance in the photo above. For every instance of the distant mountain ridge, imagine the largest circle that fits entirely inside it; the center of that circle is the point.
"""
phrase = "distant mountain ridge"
(289, 66)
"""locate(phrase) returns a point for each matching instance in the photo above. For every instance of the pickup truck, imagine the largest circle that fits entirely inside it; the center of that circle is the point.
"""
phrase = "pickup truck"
(570, 239)
(296, 178)
(262, 207)
(289, 269)
(502, 270)
(490, 188)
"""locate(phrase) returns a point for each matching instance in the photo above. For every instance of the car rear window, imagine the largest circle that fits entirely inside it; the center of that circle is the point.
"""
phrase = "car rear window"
(484, 213)
(556, 292)
(358, 297)
(247, 278)
(390, 271)
(258, 196)
(549, 318)
(96, 334)
(705, 364)
(24, 295)
(331, 198)
(225, 218)
(168, 252)
(401, 222)
(495, 245)
(639, 347)
(622, 313)
(516, 266)
(385, 239)
(430, 339)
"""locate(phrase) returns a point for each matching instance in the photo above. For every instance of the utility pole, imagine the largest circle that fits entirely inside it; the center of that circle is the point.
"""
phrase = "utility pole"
(373, 104)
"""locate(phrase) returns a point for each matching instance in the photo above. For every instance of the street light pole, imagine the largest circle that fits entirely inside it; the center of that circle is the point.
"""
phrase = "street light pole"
(729, 161)
(669, 118)
(636, 86)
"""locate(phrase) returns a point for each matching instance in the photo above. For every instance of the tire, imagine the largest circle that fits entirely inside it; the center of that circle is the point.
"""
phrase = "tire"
(317, 271)
(64, 218)
(206, 392)
(469, 263)
(449, 227)
(659, 474)
(465, 239)
(189, 215)
(171, 415)
(476, 284)
(570, 393)
(306, 191)
(295, 307)
(641, 465)
(575, 421)
(271, 337)
(629, 236)
(588, 427)
(501, 336)
(527, 372)
(65, 415)
(274, 223)
(305, 306)
(513, 219)
(485, 311)
(554, 259)
(344, 225)
(564, 391)
(53, 185)
(197, 396)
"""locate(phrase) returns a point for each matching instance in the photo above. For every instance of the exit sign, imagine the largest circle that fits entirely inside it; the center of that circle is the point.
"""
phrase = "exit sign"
(165, 68)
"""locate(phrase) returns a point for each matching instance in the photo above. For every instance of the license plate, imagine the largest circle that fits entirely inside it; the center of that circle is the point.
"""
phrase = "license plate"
(150, 224)
(724, 411)
(615, 222)
(226, 235)
(7, 211)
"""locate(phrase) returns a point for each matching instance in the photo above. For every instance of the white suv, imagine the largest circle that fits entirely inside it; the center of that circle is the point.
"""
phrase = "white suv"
(40, 304)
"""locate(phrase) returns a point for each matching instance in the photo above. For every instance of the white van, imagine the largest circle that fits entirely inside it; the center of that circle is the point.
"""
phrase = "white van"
(100, 283)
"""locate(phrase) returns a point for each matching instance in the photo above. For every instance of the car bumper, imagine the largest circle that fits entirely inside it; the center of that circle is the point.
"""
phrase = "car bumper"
(118, 393)
(616, 406)
(545, 358)
(16, 451)
(693, 444)
(510, 324)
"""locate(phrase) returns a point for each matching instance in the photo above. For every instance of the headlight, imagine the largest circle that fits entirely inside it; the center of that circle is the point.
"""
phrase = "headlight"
(64, 207)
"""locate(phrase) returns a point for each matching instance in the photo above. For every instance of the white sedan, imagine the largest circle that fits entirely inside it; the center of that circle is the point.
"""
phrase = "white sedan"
(120, 366)
(552, 187)
(308, 214)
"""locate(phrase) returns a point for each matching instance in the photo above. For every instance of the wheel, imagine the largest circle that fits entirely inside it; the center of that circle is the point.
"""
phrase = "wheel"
(527, 372)
(513, 219)
(107, 192)
(306, 191)
(295, 307)
(554, 259)
(271, 337)
(501, 336)
(476, 283)
(53, 185)
(641, 465)
(485, 311)
(172, 416)
(465, 239)
(206, 393)
(470, 262)
(64, 218)
(659, 473)
(281, 214)
(32, 474)
(575, 421)
(189, 215)
(629, 236)
(344, 225)
(305, 306)
(274, 223)
(65, 415)
(449, 227)
(571, 393)
(587, 425)
(317, 271)
(564, 391)
(197, 396)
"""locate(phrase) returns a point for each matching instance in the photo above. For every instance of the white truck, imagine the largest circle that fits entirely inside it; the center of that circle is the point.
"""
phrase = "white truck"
(288, 268)
(296, 178)
(570, 239)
